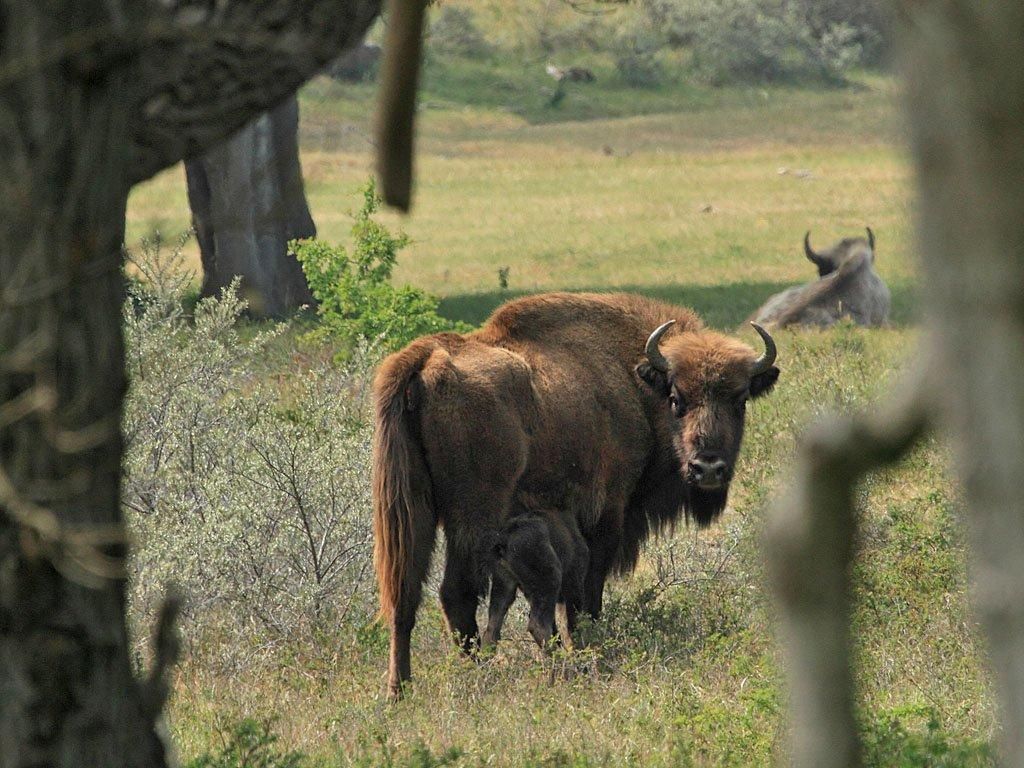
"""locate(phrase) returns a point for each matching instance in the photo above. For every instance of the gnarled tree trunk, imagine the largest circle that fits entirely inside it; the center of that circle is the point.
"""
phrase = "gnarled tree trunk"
(248, 201)
(966, 103)
(94, 96)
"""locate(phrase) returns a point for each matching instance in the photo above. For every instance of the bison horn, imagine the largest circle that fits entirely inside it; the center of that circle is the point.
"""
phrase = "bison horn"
(871, 239)
(765, 361)
(808, 250)
(654, 356)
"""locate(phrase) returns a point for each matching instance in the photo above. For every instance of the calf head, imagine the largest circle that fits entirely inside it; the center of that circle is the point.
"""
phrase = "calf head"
(829, 261)
(706, 379)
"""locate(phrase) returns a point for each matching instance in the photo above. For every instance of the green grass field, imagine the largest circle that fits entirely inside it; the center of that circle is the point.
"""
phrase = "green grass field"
(674, 192)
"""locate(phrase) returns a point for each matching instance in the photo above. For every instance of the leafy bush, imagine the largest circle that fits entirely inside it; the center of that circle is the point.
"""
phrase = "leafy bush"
(889, 740)
(759, 40)
(356, 299)
(867, 20)
(244, 482)
(249, 744)
(455, 31)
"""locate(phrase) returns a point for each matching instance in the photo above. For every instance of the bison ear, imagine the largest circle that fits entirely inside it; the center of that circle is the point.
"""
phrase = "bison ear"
(653, 378)
(763, 383)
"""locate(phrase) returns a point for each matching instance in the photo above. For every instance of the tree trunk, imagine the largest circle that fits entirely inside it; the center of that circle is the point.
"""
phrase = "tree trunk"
(966, 103)
(68, 696)
(966, 97)
(95, 95)
(248, 201)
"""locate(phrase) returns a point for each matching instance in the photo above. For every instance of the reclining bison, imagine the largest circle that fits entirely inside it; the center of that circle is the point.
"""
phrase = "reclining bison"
(563, 402)
(847, 286)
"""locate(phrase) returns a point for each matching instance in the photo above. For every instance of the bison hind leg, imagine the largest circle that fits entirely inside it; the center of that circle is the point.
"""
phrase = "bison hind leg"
(460, 595)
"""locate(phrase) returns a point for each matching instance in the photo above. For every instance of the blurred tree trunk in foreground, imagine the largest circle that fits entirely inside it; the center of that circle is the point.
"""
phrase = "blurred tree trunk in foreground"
(248, 200)
(965, 94)
(95, 96)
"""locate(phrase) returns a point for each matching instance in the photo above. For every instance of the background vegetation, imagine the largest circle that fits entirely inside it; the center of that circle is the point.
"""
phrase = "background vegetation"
(247, 479)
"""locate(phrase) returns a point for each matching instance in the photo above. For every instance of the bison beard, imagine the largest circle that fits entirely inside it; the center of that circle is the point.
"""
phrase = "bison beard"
(704, 506)
(566, 401)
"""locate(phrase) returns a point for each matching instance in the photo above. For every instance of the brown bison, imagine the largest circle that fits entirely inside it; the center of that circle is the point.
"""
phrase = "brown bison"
(847, 286)
(564, 402)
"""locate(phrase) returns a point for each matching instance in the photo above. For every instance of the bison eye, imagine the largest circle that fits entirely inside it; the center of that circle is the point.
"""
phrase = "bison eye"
(677, 404)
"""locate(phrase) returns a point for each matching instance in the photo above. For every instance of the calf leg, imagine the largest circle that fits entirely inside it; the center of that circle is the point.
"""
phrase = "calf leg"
(540, 577)
(573, 580)
(503, 594)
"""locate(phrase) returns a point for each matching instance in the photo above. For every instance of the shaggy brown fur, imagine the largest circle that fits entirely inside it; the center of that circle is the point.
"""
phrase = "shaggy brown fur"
(552, 399)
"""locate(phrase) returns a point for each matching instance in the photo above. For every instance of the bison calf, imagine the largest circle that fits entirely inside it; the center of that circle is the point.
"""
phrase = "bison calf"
(544, 555)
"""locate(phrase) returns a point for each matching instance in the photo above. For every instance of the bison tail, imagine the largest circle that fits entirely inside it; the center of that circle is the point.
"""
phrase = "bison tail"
(403, 515)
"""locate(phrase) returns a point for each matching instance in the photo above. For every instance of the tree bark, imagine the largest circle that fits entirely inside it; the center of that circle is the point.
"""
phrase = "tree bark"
(809, 550)
(965, 94)
(95, 95)
(248, 201)
(965, 91)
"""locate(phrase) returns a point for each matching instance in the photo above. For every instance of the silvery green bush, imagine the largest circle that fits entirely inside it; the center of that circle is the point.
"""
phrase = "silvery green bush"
(757, 41)
(246, 481)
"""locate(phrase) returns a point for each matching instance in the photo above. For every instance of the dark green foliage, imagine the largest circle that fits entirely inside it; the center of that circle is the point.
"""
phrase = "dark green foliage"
(419, 755)
(455, 31)
(765, 41)
(772, 40)
(639, 68)
(889, 741)
(356, 298)
(249, 744)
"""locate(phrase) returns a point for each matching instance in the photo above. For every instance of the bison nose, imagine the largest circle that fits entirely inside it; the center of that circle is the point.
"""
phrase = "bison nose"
(707, 471)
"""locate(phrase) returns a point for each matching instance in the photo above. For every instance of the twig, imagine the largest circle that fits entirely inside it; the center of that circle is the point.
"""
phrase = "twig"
(810, 551)
(397, 112)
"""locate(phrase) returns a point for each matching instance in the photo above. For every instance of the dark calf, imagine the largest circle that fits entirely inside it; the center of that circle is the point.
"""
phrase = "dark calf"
(544, 555)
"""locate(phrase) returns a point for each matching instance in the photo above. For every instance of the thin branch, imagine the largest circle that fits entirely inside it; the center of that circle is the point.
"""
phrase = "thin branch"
(810, 552)
(397, 111)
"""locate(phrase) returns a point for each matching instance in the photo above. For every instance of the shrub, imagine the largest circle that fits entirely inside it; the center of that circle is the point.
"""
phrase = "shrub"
(638, 69)
(889, 740)
(243, 481)
(635, 48)
(867, 20)
(356, 299)
(249, 744)
(759, 40)
(455, 31)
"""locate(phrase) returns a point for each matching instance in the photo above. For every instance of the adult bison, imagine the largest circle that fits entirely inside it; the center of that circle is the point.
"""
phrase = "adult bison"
(560, 401)
(847, 286)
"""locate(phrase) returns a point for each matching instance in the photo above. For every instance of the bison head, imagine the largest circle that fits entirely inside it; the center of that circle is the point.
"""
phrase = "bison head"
(706, 380)
(829, 261)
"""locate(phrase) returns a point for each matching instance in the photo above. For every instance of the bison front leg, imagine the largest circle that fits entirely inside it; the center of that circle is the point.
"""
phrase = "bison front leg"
(593, 583)
(459, 598)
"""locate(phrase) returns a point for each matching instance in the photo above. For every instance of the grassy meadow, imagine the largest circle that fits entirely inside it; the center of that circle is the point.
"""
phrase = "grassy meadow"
(692, 194)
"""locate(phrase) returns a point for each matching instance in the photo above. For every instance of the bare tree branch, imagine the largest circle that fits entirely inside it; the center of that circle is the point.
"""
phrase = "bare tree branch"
(810, 551)
(397, 113)
(208, 69)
